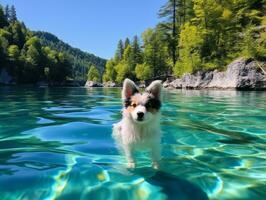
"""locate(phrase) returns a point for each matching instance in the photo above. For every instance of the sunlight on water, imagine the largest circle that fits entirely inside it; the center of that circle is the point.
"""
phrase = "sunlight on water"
(56, 144)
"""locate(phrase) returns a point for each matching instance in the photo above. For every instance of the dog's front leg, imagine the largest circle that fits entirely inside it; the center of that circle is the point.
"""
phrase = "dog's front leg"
(156, 155)
(129, 153)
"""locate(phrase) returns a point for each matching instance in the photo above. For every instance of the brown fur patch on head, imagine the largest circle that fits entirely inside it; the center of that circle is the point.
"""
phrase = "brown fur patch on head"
(133, 103)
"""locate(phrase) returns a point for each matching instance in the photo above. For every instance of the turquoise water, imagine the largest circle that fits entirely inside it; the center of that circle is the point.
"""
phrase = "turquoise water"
(56, 144)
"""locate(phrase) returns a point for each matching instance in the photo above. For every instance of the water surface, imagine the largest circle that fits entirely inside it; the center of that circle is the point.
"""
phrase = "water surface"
(56, 144)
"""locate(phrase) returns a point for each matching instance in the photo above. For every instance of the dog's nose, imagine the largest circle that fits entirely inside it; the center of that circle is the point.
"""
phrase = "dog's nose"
(140, 115)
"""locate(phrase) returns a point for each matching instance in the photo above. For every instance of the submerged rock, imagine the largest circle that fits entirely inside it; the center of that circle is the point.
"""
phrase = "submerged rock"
(93, 84)
(241, 74)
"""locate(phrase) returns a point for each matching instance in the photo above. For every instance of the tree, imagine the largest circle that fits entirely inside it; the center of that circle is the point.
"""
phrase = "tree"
(119, 51)
(123, 71)
(110, 73)
(19, 37)
(3, 21)
(169, 10)
(94, 74)
(155, 52)
(127, 42)
(13, 14)
(143, 72)
(255, 43)
(191, 40)
(7, 13)
(137, 51)
(175, 13)
(13, 52)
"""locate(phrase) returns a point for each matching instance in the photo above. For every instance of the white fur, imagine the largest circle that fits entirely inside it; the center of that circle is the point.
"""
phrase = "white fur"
(132, 135)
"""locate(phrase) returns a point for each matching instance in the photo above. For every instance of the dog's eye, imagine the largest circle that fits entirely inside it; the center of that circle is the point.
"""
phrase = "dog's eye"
(148, 105)
(134, 105)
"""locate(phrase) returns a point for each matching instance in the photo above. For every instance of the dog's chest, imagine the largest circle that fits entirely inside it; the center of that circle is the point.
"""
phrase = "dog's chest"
(141, 135)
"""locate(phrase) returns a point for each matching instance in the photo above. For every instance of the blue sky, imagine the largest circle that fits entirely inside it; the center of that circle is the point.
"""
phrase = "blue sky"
(91, 25)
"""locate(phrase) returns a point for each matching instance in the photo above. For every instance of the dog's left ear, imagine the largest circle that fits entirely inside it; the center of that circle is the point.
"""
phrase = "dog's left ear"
(155, 89)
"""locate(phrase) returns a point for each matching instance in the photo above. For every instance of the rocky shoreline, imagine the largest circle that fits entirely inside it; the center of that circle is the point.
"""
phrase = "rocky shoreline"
(242, 74)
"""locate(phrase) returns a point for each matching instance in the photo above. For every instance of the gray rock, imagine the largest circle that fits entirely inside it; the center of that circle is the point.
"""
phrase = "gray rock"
(93, 84)
(240, 74)
(142, 84)
(111, 84)
(176, 84)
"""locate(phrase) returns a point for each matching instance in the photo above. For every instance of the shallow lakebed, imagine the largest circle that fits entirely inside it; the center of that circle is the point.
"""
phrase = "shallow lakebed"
(55, 143)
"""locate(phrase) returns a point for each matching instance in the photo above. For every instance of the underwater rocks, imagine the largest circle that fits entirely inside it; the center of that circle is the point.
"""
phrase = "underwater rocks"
(242, 74)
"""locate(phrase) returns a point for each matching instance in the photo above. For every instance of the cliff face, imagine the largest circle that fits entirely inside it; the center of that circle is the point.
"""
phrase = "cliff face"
(242, 74)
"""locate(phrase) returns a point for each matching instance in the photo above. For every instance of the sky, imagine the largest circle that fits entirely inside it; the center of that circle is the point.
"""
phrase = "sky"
(94, 26)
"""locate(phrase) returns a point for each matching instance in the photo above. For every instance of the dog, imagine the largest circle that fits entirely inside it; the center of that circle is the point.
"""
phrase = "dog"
(140, 124)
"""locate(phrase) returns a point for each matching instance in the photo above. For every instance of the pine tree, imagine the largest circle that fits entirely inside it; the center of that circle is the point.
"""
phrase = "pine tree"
(169, 11)
(127, 42)
(13, 14)
(155, 52)
(3, 21)
(7, 13)
(137, 51)
(119, 51)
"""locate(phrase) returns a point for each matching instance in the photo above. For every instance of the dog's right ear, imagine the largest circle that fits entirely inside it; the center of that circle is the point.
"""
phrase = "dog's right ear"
(129, 89)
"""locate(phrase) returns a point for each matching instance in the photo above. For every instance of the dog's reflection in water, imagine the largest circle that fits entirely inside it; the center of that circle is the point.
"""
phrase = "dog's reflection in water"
(174, 187)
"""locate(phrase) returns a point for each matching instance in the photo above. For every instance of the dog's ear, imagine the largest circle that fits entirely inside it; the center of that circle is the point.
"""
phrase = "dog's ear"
(155, 89)
(129, 89)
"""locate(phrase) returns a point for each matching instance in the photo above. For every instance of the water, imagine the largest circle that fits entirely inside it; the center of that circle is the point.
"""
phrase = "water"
(56, 144)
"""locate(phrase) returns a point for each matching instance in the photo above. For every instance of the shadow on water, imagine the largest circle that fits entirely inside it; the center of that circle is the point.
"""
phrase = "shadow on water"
(172, 186)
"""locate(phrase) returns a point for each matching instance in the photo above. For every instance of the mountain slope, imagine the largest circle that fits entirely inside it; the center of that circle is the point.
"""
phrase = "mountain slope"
(81, 60)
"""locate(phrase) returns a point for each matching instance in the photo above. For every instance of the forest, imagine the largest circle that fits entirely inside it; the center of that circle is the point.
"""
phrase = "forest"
(192, 35)
(30, 57)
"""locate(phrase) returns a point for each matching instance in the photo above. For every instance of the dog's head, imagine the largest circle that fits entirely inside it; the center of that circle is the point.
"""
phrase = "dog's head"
(142, 107)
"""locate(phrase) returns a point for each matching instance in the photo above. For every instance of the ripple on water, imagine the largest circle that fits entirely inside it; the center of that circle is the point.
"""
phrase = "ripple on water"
(78, 136)
(95, 114)
(42, 120)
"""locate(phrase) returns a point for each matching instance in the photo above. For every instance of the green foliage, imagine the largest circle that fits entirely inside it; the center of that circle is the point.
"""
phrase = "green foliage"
(255, 43)
(119, 52)
(80, 61)
(195, 35)
(155, 52)
(110, 73)
(33, 56)
(143, 72)
(94, 74)
(127, 42)
(13, 52)
(3, 20)
(12, 14)
(123, 71)
(191, 40)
